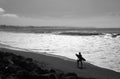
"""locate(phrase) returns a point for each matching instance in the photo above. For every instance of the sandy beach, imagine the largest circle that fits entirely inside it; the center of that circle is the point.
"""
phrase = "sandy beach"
(66, 65)
(59, 39)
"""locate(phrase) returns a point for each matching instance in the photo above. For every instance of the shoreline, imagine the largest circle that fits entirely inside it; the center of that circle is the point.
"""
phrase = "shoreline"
(2, 45)
(67, 65)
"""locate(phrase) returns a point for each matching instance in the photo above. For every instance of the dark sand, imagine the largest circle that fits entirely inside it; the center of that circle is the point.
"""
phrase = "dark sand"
(60, 63)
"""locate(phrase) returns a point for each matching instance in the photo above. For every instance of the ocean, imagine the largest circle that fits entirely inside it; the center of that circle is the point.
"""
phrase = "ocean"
(100, 50)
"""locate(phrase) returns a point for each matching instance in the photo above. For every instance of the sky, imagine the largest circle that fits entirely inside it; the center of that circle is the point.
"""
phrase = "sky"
(81, 13)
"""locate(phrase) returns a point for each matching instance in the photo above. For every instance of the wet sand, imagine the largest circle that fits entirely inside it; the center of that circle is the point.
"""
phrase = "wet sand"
(65, 64)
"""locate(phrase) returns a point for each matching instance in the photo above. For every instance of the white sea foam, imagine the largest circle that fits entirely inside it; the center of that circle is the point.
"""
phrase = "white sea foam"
(103, 51)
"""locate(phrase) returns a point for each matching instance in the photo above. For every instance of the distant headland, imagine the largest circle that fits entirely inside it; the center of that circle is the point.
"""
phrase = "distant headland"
(61, 30)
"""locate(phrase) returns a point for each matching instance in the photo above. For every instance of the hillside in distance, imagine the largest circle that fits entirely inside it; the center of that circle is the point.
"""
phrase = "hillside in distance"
(59, 29)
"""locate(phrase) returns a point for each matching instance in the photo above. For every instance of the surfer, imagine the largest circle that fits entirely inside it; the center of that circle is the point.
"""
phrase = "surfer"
(80, 59)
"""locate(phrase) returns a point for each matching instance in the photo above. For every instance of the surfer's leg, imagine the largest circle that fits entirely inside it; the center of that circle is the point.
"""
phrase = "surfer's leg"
(81, 64)
(77, 63)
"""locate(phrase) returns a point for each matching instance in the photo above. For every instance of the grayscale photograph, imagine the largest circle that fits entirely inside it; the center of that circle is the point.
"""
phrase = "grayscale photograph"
(59, 39)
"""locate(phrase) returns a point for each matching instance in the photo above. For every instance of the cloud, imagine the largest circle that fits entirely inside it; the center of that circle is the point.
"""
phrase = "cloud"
(114, 13)
(2, 10)
(10, 15)
(3, 14)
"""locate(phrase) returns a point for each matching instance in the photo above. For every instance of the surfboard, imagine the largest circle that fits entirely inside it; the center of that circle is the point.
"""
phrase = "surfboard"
(80, 57)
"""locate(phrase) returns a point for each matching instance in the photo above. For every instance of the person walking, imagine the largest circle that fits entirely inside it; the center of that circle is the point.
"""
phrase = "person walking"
(80, 59)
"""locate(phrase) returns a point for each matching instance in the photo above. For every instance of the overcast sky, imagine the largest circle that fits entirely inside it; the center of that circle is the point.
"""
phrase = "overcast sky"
(82, 13)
